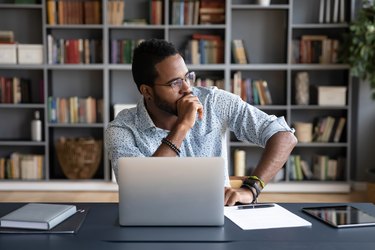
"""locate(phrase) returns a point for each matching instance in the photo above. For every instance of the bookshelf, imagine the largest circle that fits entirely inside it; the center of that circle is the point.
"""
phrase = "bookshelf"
(268, 43)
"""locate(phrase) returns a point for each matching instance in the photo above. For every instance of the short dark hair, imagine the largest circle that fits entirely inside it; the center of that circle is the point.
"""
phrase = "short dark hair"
(145, 56)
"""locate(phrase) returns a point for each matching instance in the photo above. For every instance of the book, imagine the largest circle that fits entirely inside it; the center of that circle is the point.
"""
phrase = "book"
(328, 11)
(239, 52)
(335, 11)
(342, 11)
(68, 226)
(321, 11)
(339, 129)
(38, 216)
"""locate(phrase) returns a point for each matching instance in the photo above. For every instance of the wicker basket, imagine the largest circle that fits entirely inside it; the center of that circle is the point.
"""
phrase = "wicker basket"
(79, 158)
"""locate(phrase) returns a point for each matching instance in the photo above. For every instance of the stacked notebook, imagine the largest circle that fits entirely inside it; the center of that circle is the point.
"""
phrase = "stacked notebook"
(43, 218)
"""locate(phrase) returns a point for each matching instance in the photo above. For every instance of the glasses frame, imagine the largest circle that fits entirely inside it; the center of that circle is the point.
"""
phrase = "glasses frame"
(176, 84)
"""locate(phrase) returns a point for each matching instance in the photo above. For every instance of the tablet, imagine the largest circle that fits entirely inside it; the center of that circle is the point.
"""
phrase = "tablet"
(342, 216)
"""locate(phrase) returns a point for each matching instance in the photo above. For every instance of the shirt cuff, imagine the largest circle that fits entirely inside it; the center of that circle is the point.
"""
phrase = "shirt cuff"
(277, 125)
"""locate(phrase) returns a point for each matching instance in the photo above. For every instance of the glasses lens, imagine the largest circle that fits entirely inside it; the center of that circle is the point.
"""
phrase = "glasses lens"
(190, 78)
(177, 84)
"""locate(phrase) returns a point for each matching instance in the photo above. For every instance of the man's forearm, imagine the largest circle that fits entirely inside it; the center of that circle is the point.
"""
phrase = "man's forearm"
(276, 153)
(176, 136)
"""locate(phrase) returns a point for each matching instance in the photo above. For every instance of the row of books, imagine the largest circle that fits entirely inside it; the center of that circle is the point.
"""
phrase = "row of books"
(204, 49)
(315, 49)
(329, 129)
(122, 50)
(75, 110)
(74, 51)
(332, 11)
(14, 90)
(207, 82)
(22, 166)
(255, 92)
(73, 12)
(324, 168)
(193, 12)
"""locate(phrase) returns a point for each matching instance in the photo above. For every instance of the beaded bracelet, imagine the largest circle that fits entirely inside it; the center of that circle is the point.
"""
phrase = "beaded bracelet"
(171, 145)
(252, 184)
(252, 192)
(261, 182)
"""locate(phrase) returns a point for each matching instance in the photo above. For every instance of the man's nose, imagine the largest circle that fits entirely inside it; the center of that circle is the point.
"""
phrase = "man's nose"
(185, 87)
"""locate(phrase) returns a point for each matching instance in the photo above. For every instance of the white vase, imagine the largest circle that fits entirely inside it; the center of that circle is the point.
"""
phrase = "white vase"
(264, 2)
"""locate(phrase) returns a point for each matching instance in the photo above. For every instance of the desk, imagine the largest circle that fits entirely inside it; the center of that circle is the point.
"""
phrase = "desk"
(102, 231)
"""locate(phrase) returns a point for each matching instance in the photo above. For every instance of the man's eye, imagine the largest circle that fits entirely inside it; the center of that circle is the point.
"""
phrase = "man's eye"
(175, 83)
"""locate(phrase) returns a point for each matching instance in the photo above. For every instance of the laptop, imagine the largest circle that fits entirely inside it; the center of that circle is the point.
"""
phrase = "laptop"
(171, 191)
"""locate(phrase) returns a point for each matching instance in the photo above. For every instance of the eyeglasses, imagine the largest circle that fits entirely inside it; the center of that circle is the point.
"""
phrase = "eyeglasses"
(176, 84)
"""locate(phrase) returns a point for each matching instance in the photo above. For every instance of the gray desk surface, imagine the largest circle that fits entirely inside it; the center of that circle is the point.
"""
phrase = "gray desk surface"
(102, 231)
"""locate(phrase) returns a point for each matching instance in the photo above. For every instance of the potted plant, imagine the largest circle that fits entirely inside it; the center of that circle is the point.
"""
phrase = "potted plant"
(359, 45)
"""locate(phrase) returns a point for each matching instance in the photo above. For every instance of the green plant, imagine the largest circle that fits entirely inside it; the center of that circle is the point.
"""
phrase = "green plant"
(359, 45)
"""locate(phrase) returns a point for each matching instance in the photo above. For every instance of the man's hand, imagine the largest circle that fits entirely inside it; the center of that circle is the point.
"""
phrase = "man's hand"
(233, 195)
(187, 108)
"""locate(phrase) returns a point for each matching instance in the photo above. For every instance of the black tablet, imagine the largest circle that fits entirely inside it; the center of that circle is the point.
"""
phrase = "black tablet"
(341, 216)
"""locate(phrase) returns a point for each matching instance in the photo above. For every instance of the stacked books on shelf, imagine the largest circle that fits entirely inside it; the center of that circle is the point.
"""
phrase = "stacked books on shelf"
(122, 50)
(14, 90)
(329, 129)
(22, 166)
(74, 51)
(74, 12)
(8, 47)
(6, 36)
(324, 168)
(208, 82)
(212, 12)
(239, 52)
(204, 49)
(193, 12)
(299, 169)
(75, 110)
(255, 92)
(315, 49)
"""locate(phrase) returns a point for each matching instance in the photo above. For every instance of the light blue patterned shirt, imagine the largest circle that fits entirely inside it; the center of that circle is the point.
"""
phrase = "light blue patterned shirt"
(133, 134)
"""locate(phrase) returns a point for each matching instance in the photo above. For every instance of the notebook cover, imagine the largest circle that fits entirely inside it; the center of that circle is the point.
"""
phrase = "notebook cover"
(69, 226)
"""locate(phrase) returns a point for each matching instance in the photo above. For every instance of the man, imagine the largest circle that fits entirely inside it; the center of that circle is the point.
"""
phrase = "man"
(175, 119)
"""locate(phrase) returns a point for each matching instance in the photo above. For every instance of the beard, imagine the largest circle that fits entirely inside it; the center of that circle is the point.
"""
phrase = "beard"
(165, 106)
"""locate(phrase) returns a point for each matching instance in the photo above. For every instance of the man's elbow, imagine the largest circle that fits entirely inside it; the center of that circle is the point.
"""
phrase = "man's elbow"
(291, 139)
(285, 138)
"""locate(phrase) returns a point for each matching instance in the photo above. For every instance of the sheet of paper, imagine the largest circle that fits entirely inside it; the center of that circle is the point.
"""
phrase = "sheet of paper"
(264, 218)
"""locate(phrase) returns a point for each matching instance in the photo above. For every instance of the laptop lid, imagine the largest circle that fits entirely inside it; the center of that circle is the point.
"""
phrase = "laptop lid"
(171, 191)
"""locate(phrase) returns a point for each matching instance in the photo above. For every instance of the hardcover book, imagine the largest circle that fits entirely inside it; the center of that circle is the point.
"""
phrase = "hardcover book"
(38, 216)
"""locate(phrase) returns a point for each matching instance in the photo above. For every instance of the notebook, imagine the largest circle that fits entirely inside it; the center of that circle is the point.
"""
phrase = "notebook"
(38, 216)
(171, 191)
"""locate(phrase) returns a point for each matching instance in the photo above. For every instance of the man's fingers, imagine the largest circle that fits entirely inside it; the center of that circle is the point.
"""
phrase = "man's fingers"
(230, 197)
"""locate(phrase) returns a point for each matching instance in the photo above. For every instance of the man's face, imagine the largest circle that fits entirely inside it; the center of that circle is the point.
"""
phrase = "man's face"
(166, 97)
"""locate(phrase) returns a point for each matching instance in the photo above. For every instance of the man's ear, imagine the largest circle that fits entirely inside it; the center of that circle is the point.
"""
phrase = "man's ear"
(146, 91)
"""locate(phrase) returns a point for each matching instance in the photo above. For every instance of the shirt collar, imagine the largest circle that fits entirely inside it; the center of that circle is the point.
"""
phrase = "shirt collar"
(143, 119)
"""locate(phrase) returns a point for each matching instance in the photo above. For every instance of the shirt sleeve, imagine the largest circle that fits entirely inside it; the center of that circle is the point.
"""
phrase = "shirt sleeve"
(246, 121)
(120, 142)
